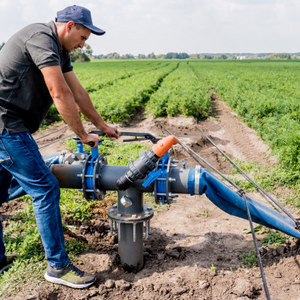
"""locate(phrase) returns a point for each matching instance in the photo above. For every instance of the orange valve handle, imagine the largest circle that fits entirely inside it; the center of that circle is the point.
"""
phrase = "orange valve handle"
(163, 146)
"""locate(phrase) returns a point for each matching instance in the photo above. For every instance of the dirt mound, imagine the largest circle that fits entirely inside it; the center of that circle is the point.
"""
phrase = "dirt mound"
(193, 248)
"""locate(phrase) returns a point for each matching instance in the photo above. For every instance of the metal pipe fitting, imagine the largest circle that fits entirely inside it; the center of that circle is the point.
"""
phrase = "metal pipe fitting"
(130, 220)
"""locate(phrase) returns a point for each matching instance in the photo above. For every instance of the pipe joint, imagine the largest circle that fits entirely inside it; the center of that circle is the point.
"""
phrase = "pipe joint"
(117, 218)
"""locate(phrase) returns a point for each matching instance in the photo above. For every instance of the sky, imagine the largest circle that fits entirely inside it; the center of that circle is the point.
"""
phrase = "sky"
(162, 26)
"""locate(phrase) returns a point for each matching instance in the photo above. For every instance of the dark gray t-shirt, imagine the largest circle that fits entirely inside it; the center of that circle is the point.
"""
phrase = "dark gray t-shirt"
(24, 97)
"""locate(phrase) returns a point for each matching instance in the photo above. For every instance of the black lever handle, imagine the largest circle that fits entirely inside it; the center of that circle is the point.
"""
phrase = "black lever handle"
(98, 132)
(91, 144)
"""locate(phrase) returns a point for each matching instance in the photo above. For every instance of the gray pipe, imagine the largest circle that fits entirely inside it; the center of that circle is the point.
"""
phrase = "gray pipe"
(69, 176)
(130, 231)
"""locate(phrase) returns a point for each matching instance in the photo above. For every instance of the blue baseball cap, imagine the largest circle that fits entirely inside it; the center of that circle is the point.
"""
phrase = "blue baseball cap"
(80, 15)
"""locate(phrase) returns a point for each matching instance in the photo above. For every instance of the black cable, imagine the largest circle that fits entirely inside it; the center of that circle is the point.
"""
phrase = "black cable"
(51, 132)
(242, 194)
(56, 141)
(61, 138)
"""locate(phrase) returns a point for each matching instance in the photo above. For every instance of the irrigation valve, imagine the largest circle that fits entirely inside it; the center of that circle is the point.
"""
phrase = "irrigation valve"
(145, 163)
(130, 217)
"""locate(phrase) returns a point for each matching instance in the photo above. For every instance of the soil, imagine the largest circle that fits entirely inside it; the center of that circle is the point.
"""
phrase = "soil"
(193, 248)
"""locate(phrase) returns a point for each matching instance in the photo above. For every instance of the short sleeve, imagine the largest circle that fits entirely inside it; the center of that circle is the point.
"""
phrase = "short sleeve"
(43, 50)
(66, 65)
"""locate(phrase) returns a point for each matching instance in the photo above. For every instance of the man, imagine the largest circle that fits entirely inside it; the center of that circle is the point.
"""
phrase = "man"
(35, 71)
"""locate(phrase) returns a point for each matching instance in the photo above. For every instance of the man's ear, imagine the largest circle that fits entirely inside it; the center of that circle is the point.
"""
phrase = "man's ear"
(69, 26)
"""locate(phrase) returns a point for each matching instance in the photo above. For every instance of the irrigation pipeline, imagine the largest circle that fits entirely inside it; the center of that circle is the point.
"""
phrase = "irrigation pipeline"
(297, 223)
(242, 194)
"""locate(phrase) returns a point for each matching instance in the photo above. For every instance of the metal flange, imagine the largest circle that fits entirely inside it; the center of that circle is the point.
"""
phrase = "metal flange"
(117, 219)
(115, 215)
(164, 192)
(91, 177)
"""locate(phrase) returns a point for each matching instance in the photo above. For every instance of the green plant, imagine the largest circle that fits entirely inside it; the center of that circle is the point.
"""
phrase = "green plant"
(203, 214)
(22, 237)
(74, 247)
(172, 98)
(259, 229)
(249, 259)
(158, 207)
(117, 153)
(274, 238)
(23, 273)
(265, 94)
(213, 268)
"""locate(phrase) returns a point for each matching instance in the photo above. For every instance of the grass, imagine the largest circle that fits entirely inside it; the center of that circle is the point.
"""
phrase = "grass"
(22, 237)
(271, 237)
(202, 214)
(274, 238)
(22, 274)
(248, 259)
(120, 154)
(271, 178)
(158, 207)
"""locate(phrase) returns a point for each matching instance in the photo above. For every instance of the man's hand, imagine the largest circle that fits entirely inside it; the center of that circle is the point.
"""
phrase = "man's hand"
(111, 131)
(91, 138)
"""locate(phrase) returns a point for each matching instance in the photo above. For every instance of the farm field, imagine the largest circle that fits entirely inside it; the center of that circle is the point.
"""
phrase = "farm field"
(265, 94)
(120, 90)
(194, 250)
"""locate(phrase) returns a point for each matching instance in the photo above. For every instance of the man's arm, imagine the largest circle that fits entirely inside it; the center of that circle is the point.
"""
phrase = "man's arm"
(64, 101)
(86, 106)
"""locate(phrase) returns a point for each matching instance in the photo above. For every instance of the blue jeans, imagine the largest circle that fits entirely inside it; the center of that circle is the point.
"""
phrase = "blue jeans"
(20, 158)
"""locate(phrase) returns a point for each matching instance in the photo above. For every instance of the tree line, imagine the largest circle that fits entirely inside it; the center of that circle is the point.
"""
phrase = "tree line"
(170, 55)
(227, 56)
(86, 54)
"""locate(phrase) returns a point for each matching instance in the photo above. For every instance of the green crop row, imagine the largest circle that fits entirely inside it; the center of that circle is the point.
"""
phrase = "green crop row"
(119, 102)
(98, 74)
(180, 93)
(266, 95)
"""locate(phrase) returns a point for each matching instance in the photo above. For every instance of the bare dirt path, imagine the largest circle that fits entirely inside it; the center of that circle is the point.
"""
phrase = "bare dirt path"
(193, 248)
